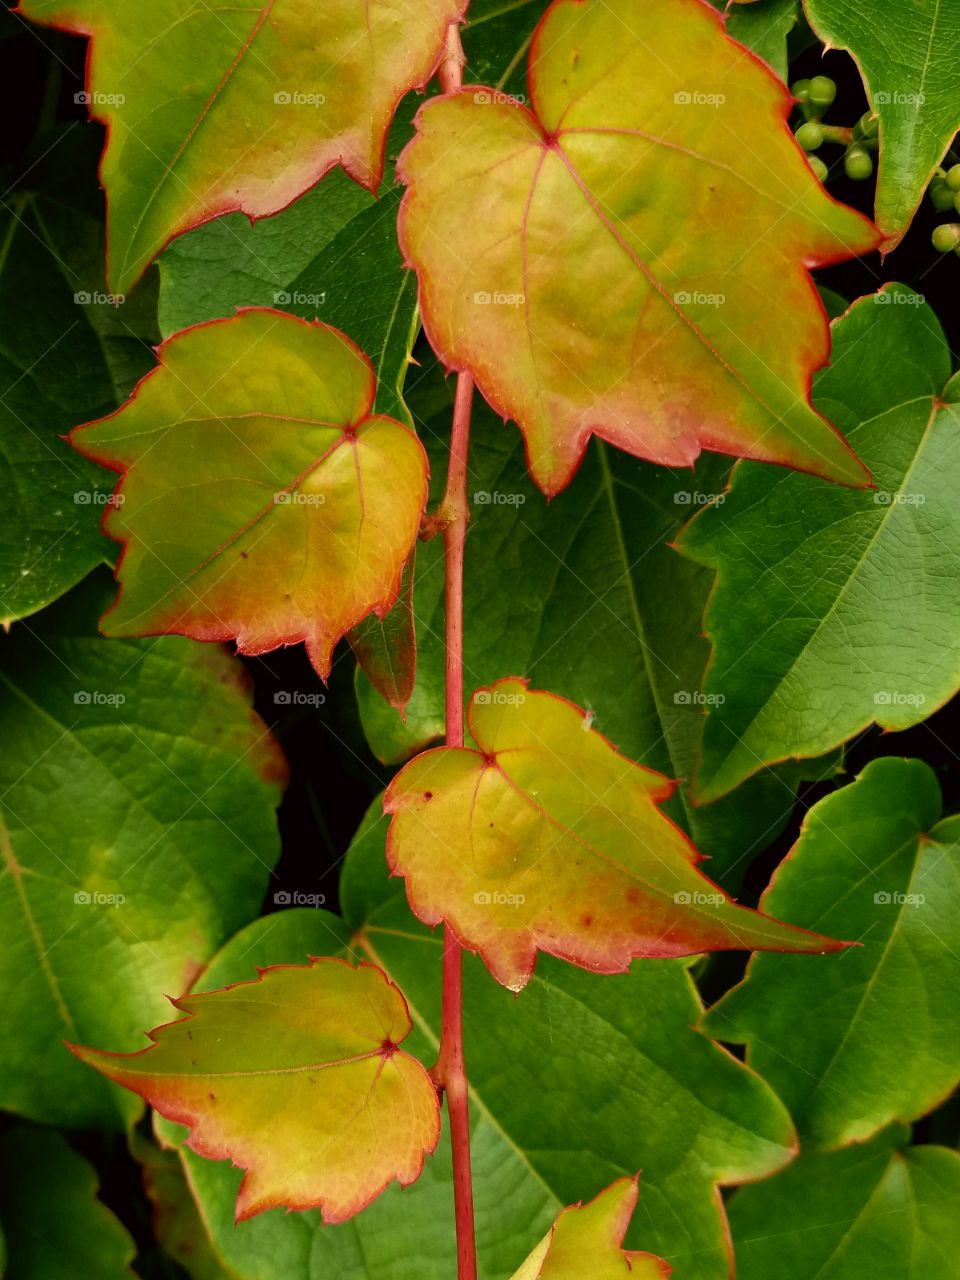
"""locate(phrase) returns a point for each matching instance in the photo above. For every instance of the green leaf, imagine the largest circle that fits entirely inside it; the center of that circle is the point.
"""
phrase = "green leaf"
(66, 354)
(298, 1078)
(832, 610)
(331, 255)
(877, 1211)
(572, 1084)
(568, 296)
(386, 648)
(544, 838)
(763, 27)
(134, 776)
(262, 500)
(210, 111)
(851, 1046)
(584, 596)
(587, 1239)
(55, 1227)
(907, 52)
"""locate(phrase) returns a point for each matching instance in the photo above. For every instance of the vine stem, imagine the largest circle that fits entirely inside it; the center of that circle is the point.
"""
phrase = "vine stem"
(450, 1072)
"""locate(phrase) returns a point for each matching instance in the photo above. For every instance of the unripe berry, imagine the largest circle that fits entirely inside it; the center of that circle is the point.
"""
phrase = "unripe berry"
(953, 177)
(810, 135)
(956, 202)
(818, 167)
(946, 237)
(941, 197)
(822, 92)
(857, 163)
(800, 90)
(868, 126)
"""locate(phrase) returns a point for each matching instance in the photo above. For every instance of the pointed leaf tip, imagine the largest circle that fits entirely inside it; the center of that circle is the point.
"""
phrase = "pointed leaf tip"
(587, 1239)
(545, 838)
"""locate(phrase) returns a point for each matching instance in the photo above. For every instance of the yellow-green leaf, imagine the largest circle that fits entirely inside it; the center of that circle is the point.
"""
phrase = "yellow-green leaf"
(629, 256)
(586, 1240)
(212, 109)
(261, 500)
(545, 838)
(296, 1077)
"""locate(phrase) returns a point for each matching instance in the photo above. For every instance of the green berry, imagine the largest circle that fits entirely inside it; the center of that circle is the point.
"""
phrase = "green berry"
(818, 167)
(800, 90)
(941, 197)
(952, 178)
(946, 237)
(822, 92)
(956, 202)
(857, 163)
(867, 127)
(810, 135)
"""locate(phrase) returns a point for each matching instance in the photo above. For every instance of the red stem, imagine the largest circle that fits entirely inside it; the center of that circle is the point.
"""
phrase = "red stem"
(451, 1072)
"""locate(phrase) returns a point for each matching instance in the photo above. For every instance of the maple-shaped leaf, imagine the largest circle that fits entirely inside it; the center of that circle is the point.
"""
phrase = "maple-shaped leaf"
(261, 499)
(588, 1240)
(212, 109)
(617, 259)
(298, 1078)
(546, 838)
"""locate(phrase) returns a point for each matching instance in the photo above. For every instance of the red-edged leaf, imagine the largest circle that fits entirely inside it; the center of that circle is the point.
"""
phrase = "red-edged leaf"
(587, 1241)
(629, 257)
(297, 1078)
(546, 838)
(211, 109)
(261, 499)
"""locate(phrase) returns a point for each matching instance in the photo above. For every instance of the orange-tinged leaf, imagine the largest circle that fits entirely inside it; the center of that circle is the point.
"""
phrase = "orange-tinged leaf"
(586, 1240)
(546, 838)
(297, 1078)
(261, 498)
(211, 109)
(629, 256)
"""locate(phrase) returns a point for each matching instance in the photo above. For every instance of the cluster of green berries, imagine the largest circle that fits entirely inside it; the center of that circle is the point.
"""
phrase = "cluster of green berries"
(945, 195)
(815, 98)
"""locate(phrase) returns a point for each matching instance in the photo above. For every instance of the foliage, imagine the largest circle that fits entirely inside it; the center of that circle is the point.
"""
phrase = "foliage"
(522, 735)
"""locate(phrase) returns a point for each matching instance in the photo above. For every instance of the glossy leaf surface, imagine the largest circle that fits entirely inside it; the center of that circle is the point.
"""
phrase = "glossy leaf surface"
(54, 1225)
(876, 1037)
(588, 1239)
(907, 54)
(647, 1089)
(545, 838)
(582, 304)
(262, 500)
(211, 110)
(298, 1079)
(832, 610)
(137, 833)
(881, 1211)
(76, 356)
